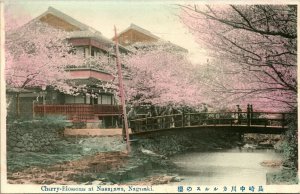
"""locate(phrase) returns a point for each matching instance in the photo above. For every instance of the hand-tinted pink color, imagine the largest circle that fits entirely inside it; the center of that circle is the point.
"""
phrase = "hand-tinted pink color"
(254, 47)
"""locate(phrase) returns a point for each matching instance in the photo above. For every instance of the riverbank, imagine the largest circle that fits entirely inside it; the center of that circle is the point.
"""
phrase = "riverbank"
(64, 150)
(286, 176)
(89, 160)
(262, 141)
(101, 168)
(103, 160)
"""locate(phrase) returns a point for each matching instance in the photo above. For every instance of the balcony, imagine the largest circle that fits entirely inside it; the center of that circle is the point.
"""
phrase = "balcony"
(78, 111)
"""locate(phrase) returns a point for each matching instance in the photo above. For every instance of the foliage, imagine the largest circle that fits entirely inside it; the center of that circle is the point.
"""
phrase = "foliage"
(13, 20)
(56, 123)
(257, 45)
(254, 50)
(78, 125)
(29, 159)
(290, 143)
(284, 177)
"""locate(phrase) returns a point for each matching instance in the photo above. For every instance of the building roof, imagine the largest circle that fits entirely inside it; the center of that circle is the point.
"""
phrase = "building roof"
(10, 89)
(91, 83)
(87, 81)
(89, 34)
(148, 33)
(67, 18)
(84, 31)
(86, 68)
(139, 29)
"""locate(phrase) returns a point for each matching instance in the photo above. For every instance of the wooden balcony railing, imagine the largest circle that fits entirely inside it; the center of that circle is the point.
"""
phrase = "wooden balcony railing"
(106, 109)
(77, 111)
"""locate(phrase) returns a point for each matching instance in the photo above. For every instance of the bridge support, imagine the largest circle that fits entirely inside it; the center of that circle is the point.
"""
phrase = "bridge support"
(180, 140)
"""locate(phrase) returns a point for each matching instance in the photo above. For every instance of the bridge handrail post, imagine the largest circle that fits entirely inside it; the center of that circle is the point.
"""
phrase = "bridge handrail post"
(183, 119)
(152, 124)
(283, 120)
(251, 114)
(188, 119)
(248, 115)
(200, 119)
(215, 117)
(266, 122)
(139, 126)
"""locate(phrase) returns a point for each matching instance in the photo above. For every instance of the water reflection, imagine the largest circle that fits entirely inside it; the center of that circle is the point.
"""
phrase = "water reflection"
(235, 166)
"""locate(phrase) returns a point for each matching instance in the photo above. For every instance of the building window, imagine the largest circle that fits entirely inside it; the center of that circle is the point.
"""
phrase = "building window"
(86, 52)
(87, 99)
(95, 100)
(79, 99)
(69, 99)
(80, 51)
(93, 52)
(106, 99)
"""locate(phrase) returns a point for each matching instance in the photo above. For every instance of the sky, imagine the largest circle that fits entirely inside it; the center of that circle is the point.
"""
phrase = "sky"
(158, 17)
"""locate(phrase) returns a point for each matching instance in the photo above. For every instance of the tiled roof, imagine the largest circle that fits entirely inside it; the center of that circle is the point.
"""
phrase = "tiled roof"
(144, 31)
(85, 30)
(148, 33)
(68, 19)
(87, 81)
(88, 34)
(92, 83)
(17, 90)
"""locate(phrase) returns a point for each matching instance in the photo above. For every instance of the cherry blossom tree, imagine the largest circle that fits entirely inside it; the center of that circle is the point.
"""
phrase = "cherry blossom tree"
(160, 76)
(13, 20)
(257, 45)
(36, 58)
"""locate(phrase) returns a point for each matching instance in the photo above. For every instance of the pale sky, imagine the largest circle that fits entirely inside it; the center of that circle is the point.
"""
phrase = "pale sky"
(156, 16)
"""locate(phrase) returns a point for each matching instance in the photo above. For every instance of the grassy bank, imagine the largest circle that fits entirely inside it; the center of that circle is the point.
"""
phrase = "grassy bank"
(94, 160)
(284, 177)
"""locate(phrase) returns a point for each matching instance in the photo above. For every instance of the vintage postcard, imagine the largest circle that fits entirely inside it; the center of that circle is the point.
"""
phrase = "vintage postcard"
(149, 96)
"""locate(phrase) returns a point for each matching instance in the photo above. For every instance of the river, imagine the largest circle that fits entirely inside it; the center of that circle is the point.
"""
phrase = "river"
(224, 167)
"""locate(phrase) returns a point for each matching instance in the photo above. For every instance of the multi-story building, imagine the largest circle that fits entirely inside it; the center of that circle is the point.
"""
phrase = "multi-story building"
(95, 105)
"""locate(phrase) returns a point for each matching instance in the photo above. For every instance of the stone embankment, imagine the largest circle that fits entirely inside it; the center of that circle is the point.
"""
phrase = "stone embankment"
(32, 136)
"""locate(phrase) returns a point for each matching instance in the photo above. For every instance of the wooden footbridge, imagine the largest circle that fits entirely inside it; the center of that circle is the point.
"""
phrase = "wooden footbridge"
(241, 122)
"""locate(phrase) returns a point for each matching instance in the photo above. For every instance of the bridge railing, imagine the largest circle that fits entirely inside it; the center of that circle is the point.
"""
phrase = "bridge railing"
(265, 119)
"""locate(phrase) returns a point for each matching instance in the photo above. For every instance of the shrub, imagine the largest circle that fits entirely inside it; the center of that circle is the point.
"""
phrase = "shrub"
(78, 125)
(290, 143)
(49, 123)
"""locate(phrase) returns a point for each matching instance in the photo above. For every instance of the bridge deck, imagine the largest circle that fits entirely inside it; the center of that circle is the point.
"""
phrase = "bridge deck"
(244, 122)
(238, 128)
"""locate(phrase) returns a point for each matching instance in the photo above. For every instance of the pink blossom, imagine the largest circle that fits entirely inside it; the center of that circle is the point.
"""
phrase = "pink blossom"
(36, 58)
(254, 58)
